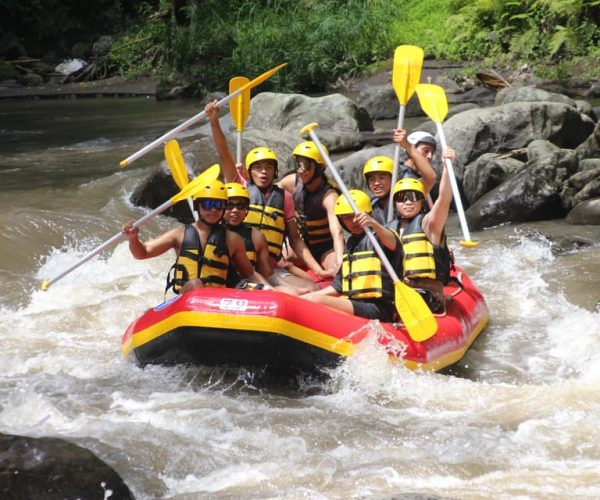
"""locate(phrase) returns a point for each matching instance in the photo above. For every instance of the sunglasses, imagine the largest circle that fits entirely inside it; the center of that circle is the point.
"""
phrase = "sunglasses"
(304, 165)
(403, 196)
(210, 204)
(240, 205)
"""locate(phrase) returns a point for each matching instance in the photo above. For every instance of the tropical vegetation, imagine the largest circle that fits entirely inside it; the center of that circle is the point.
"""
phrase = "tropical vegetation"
(323, 41)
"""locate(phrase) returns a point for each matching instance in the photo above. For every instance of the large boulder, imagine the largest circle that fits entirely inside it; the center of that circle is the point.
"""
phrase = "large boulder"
(586, 212)
(291, 112)
(487, 172)
(532, 194)
(512, 126)
(54, 468)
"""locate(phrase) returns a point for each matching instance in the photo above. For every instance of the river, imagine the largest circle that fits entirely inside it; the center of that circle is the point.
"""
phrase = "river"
(517, 418)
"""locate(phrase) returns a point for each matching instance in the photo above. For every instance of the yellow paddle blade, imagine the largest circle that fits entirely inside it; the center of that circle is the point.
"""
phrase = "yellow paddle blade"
(414, 312)
(259, 79)
(240, 105)
(211, 174)
(433, 101)
(406, 73)
(176, 163)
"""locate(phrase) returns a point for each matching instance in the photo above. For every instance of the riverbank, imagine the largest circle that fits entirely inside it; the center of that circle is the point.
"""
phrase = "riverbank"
(115, 86)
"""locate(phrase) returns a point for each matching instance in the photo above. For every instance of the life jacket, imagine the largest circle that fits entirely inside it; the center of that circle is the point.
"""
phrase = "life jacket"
(363, 276)
(311, 216)
(267, 216)
(209, 264)
(418, 261)
(245, 231)
(424, 259)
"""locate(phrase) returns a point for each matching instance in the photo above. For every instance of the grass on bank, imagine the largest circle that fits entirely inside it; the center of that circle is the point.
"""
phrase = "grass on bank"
(327, 40)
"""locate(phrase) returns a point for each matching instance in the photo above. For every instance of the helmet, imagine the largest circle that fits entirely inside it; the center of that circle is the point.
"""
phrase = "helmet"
(215, 190)
(361, 199)
(378, 164)
(419, 136)
(258, 154)
(310, 150)
(235, 189)
(408, 184)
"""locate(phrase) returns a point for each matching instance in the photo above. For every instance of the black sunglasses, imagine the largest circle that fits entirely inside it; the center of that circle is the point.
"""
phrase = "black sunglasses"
(210, 204)
(304, 165)
(413, 196)
(240, 205)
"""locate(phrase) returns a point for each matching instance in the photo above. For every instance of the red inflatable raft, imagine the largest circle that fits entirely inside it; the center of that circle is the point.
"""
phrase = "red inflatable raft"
(283, 333)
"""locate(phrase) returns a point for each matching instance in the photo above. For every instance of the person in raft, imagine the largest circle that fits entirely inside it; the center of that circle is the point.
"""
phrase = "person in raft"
(271, 208)
(314, 200)
(204, 249)
(378, 170)
(362, 286)
(427, 260)
(257, 251)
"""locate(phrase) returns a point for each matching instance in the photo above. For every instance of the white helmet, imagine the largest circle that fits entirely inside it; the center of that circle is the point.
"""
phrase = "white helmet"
(420, 136)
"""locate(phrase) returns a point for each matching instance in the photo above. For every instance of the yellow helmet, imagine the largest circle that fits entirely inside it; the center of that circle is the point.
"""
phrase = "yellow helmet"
(261, 153)
(235, 189)
(361, 199)
(408, 184)
(215, 191)
(310, 150)
(378, 164)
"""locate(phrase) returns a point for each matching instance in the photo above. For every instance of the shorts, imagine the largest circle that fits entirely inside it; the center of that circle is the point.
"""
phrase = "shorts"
(381, 310)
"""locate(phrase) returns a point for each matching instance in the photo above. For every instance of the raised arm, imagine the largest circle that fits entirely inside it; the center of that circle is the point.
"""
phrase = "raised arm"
(435, 221)
(226, 158)
(421, 164)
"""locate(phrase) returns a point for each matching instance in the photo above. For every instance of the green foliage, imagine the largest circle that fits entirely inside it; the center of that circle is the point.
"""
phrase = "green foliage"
(323, 40)
(528, 29)
(140, 51)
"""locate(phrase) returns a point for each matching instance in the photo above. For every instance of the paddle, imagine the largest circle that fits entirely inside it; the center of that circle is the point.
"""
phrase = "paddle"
(178, 170)
(196, 118)
(411, 307)
(209, 175)
(434, 103)
(240, 109)
(406, 74)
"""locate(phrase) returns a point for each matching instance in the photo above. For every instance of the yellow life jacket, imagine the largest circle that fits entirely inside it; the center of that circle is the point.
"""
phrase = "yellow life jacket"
(311, 216)
(209, 264)
(419, 260)
(267, 216)
(362, 274)
(245, 232)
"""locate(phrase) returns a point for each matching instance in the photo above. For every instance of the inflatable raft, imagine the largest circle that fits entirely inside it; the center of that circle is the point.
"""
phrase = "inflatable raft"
(283, 333)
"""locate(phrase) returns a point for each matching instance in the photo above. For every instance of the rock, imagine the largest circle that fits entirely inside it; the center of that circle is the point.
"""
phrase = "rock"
(590, 148)
(50, 468)
(487, 172)
(381, 103)
(532, 194)
(102, 46)
(530, 94)
(481, 96)
(512, 126)
(593, 92)
(586, 212)
(292, 112)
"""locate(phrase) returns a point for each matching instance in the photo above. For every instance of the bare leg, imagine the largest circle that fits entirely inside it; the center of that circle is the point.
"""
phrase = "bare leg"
(340, 303)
